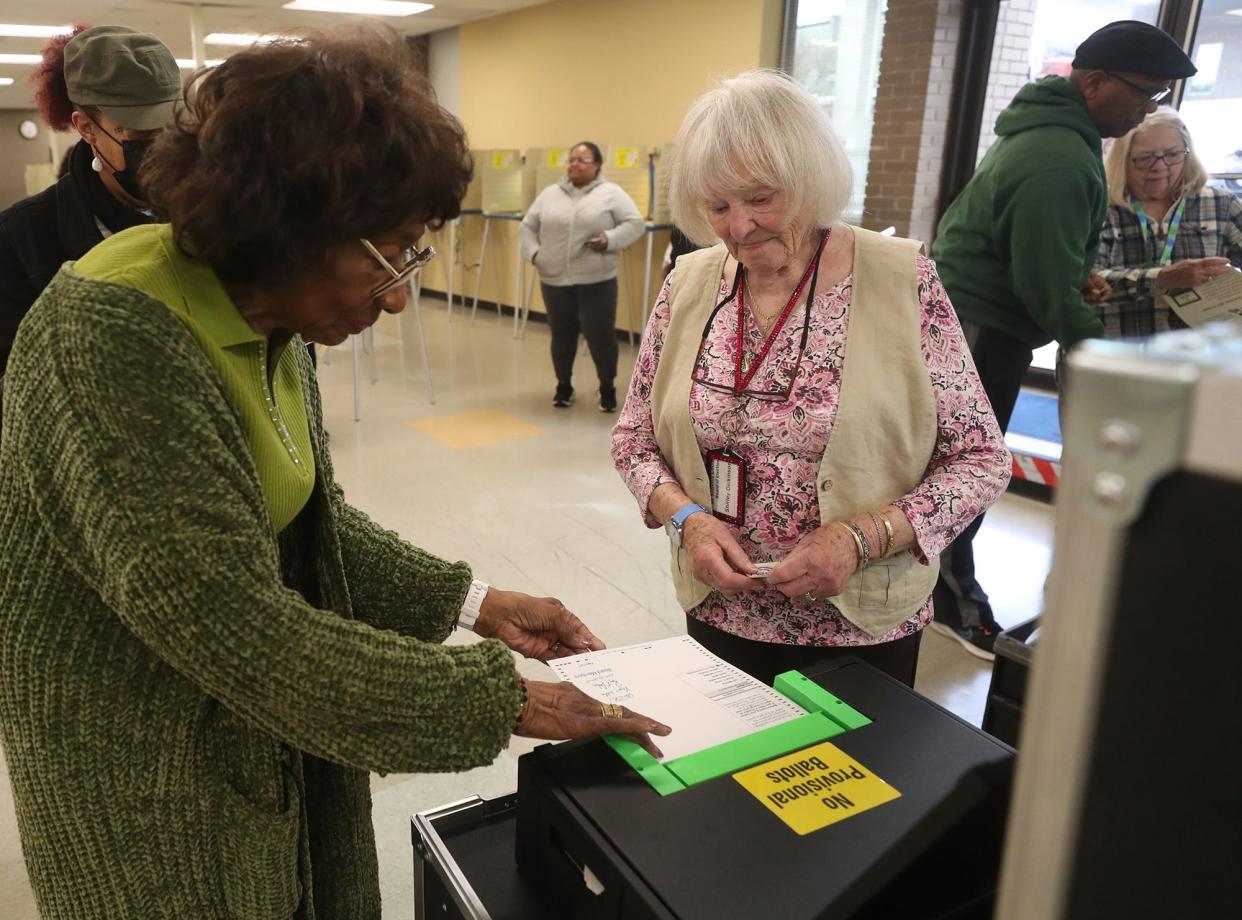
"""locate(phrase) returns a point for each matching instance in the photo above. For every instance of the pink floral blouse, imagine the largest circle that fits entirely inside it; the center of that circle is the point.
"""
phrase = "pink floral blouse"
(783, 444)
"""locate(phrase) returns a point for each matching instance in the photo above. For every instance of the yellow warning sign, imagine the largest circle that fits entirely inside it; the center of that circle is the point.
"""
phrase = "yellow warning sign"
(815, 787)
(502, 159)
(625, 157)
(558, 159)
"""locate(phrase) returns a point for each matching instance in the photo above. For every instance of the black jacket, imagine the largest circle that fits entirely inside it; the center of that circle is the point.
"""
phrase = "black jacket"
(42, 232)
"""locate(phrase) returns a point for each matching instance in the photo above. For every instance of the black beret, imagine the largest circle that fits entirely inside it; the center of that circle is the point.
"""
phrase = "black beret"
(1134, 47)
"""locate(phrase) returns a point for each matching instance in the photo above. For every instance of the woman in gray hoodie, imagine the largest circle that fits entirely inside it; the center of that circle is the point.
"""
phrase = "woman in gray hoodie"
(572, 235)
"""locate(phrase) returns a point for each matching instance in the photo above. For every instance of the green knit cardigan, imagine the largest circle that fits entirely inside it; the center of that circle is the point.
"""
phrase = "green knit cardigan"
(189, 704)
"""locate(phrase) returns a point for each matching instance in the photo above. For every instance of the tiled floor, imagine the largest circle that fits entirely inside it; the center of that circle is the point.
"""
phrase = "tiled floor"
(491, 473)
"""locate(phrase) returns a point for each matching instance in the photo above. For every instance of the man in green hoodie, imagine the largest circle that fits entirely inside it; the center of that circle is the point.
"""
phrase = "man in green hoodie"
(1015, 250)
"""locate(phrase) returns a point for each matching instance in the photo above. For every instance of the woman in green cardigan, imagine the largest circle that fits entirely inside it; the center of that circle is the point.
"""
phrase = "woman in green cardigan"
(204, 650)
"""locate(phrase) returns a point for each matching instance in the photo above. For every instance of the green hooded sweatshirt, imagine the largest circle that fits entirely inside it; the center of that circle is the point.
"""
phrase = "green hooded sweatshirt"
(1015, 249)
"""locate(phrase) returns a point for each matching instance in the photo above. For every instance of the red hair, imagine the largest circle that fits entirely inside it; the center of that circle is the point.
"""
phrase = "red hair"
(48, 80)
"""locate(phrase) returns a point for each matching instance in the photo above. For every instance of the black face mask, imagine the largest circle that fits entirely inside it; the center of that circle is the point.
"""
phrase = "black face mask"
(134, 152)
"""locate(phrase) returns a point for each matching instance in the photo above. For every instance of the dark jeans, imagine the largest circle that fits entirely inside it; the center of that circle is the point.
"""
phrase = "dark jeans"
(1001, 361)
(764, 660)
(590, 309)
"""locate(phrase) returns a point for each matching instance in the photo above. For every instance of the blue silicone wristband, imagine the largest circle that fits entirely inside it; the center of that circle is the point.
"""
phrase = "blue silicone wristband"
(680, 515)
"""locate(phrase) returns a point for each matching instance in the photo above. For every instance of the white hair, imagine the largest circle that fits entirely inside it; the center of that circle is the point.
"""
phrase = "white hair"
(1194, 176)
(758, 129)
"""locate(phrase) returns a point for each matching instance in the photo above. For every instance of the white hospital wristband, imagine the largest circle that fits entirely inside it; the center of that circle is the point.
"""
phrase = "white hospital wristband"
(470, 606)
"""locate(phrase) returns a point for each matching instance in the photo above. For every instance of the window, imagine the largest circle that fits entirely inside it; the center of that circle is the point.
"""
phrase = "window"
(1037, 38)
(836, 56)
(1212, 102)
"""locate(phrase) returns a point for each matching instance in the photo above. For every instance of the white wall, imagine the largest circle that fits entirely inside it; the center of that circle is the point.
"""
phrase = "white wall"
(443, 65)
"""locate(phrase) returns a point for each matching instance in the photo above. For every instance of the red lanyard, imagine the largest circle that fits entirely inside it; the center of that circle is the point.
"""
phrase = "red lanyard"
(740, 380)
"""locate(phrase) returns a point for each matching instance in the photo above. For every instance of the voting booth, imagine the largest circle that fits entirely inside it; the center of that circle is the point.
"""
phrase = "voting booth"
(861, 810)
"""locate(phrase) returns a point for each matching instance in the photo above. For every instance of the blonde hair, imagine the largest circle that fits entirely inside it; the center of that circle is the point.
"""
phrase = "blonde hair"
(759, 128)
(1194, 176)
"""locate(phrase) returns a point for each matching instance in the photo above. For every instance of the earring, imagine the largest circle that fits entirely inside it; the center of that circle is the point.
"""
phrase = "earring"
(95, 164)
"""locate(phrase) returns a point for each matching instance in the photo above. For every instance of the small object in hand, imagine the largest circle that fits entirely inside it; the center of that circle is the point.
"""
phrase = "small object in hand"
(762, 569)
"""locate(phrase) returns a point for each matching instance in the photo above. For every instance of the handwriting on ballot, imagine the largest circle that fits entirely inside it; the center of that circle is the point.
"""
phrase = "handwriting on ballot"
(815, 787)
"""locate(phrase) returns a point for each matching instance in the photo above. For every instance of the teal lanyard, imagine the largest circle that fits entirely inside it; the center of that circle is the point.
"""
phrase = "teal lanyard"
(1176, 225)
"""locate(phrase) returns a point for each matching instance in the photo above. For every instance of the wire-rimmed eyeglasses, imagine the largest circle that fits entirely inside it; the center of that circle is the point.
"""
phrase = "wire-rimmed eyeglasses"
(1145, 92)
(412, 260)
(1169, 158)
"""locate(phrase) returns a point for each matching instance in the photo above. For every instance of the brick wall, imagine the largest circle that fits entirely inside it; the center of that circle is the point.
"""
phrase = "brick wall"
(911, 115)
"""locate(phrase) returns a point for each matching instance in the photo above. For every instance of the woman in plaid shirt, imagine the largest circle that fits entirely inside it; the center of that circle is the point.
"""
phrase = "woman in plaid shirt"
(1166, 229)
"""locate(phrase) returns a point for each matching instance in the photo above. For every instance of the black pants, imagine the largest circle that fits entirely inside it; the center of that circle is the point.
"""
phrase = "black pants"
(590, 309)
(1001, 361)
(764, 660)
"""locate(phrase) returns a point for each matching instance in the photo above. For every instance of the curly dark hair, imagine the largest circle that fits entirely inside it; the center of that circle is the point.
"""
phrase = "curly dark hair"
(290, 148)
(48, 81)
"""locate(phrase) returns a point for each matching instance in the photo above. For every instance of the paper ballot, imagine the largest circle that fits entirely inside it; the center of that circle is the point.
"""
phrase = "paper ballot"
(704, 700)
(1218, 299)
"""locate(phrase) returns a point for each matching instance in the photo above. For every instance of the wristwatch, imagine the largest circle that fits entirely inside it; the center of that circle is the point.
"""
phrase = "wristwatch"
(678, 520)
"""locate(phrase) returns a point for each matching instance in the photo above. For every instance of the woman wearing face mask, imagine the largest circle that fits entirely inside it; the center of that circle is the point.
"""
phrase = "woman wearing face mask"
(116, 88)
(1166, 229)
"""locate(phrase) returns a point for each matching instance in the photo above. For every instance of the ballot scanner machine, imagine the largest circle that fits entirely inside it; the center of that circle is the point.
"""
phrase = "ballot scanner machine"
(869, 820)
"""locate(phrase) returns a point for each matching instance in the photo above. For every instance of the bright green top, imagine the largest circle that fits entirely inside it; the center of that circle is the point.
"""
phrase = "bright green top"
(267, 397)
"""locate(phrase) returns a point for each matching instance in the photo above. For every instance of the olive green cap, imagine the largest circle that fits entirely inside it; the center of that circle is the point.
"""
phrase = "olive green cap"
(130, 76)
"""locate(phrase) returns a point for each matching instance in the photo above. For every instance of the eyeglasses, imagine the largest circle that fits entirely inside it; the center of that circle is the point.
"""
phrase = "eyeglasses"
(412, 260)
(1169, 158)
(1146, 93)
(589, 161)
(784, 367)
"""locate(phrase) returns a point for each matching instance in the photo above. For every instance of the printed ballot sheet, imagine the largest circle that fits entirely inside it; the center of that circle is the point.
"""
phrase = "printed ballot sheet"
(703, 699)
(1218, 299)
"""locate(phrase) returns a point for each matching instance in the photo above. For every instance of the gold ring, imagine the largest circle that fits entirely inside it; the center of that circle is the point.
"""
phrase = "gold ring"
(611, 710)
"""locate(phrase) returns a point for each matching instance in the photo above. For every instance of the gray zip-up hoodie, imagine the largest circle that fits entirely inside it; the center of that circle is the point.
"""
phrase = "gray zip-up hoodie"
(556, 228)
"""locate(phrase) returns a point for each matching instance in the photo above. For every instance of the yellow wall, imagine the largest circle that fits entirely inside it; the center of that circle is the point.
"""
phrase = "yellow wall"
(621, 73)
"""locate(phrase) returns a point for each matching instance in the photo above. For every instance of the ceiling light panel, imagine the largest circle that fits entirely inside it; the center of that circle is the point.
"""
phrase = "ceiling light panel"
(9, 30)
(360, 7)
(238, 38)
(21, 59)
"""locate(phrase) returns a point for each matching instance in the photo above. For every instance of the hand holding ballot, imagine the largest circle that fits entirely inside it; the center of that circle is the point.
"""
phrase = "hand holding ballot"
(1211, 301)
(1191, 273)
(555, 711)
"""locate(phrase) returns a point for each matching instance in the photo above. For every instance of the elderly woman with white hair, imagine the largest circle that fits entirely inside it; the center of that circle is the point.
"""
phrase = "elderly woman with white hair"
(1166, 229)
(804, 417)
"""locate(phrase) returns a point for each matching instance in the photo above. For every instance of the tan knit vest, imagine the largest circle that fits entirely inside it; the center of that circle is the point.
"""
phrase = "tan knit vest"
(885, 428)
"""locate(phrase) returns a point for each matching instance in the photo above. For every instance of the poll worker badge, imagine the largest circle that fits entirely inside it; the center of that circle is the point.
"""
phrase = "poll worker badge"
(726, 472)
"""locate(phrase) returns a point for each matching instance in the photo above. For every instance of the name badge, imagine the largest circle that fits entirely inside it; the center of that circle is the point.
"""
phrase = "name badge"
(727, 473)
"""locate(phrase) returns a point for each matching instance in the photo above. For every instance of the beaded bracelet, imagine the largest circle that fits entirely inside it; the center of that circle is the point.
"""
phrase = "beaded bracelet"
(879, 536)
(522, 713)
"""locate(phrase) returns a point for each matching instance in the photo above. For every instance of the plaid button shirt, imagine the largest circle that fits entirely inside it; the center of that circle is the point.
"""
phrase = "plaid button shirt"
(1211, 226)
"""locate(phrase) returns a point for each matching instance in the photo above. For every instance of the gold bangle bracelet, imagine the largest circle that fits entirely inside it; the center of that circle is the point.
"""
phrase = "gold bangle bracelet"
(888, 527)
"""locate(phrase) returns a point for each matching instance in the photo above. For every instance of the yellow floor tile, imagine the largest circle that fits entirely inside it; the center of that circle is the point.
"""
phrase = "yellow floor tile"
(481, 428)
